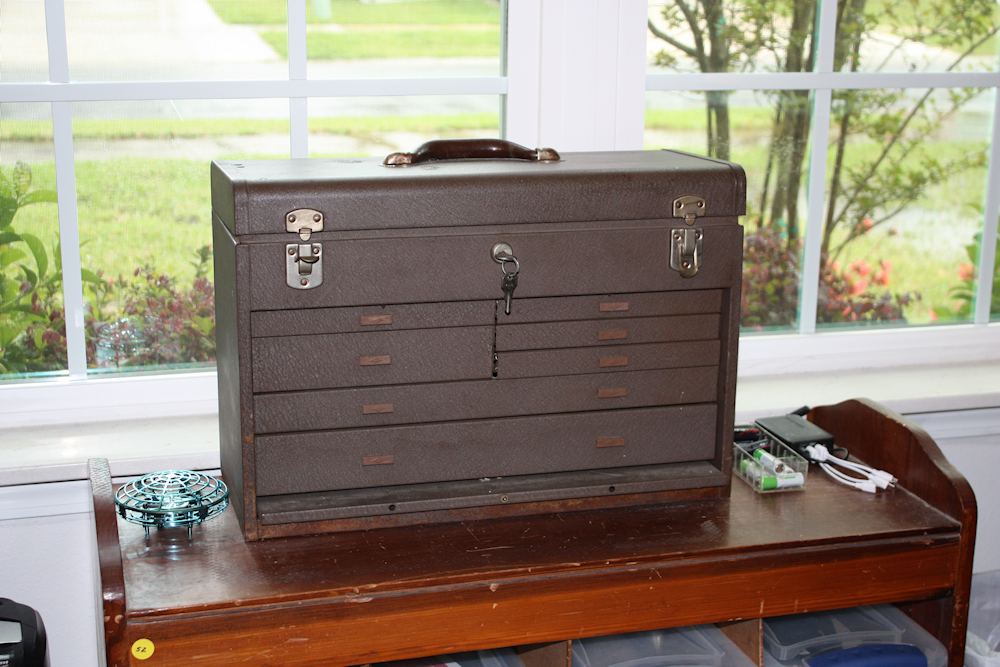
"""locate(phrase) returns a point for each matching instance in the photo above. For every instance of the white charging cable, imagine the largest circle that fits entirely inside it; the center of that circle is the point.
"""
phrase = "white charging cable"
(870, 479)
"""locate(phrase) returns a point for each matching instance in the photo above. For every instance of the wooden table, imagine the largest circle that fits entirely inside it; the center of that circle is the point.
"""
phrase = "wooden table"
(536, 582)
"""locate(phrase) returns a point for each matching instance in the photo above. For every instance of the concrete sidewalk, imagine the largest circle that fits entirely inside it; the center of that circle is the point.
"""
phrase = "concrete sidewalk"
(120, 41)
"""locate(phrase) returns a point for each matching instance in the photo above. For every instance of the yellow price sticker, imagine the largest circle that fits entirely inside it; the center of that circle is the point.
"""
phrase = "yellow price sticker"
(142, 649)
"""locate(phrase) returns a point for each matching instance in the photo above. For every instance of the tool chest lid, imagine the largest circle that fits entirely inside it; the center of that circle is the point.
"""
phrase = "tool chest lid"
(255, 196)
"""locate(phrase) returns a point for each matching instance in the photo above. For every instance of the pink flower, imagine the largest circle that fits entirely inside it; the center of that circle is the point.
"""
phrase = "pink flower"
(867, 223)
(858, 286)
(933, 316)
(966, 271)
(864, 269)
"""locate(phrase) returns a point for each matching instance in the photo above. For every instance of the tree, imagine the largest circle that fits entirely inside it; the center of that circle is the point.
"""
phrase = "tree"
(864, 192)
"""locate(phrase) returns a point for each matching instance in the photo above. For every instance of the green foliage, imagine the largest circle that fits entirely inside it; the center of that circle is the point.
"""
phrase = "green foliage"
(439, 12)
(886, 156)
(857, 293)
(147, 321)
(965, 290)
(142, 322)
(26, 276)
(871, 191)
(354, 45)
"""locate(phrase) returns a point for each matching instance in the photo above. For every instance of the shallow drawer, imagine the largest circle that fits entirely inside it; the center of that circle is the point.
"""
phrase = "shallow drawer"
(480, 399)
(372, 318)
(291, 363)
(435, 269)
(619, 331)
(607, 359)
(610, 306)
(391, 455)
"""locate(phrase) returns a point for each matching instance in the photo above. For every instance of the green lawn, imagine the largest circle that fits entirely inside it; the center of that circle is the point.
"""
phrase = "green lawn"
(173, 128)
(441, 12)
(457, 42)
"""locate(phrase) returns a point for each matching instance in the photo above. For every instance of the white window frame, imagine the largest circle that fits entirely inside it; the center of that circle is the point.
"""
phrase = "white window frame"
(574, 79)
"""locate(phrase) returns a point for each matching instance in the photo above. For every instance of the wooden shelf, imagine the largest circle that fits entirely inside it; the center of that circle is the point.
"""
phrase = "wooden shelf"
(354, 598)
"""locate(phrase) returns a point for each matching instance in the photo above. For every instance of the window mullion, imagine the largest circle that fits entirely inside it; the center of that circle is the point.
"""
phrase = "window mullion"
(69, 223)
(55, 32)
(987, 250)
(522, 68)
(816, 195)
(298, 112)
(816, 188)
(630, 98)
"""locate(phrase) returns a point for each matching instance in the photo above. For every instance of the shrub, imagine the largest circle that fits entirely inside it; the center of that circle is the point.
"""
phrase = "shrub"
(852, 294)
(965, 291)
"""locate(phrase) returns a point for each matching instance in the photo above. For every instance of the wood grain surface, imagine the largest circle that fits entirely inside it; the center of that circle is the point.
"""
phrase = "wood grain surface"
(361, 597)
(367, 596)
(111, 604)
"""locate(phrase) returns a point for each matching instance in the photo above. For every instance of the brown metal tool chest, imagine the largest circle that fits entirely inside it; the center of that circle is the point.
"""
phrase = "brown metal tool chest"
(369, 374)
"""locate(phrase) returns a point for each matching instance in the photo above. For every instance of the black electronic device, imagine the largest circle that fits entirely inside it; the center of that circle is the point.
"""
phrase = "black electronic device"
(22, 636)
(796, 432)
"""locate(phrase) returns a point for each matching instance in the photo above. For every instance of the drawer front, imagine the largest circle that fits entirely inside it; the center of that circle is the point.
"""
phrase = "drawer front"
(363, 458)
(372, 318)
(461, 268)
(621, 331)
(481, 399)
(293, 363)
(613, 306)
(607, 359)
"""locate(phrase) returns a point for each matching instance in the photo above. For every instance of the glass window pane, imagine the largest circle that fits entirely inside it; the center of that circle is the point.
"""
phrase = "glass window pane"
(906, 174)
(731, 36)
(24, 52)
(377, 126)
(995, 300)
(422, 38)
(143, 189)
(170, 40)
(32, 325)
(925, 36)
(767, 132)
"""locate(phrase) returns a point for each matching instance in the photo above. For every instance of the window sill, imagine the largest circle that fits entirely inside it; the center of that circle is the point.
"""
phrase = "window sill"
(55, 453)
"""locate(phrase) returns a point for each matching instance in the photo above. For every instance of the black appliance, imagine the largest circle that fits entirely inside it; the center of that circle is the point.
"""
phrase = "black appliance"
(22, 636)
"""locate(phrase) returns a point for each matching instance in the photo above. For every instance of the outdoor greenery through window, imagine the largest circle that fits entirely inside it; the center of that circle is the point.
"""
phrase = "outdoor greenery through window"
(141, 166)
(891, 207)
(905, 168)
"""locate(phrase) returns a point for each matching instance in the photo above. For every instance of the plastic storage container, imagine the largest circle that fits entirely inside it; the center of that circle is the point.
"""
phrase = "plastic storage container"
(864, 635)
(700, 645)
(759, 471)
(500, 657)
(982, 642)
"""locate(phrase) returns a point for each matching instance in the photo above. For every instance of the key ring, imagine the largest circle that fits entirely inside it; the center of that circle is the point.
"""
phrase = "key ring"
(504, 259)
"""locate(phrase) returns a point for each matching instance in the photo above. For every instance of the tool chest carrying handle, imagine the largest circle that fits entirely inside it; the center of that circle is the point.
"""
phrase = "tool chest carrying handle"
(470, 149)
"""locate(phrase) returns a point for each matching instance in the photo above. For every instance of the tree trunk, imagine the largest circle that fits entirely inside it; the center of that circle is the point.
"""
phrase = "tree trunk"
(717, 101)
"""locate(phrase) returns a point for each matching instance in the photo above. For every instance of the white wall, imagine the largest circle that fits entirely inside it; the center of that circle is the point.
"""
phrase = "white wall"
(978, 458)
(47, 563)
(46, 558)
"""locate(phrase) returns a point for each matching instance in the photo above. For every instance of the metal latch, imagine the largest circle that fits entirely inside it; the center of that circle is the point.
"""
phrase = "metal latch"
(689, 207)
(304, 222)
(685, 251)
(304, 261)
(303, 265)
